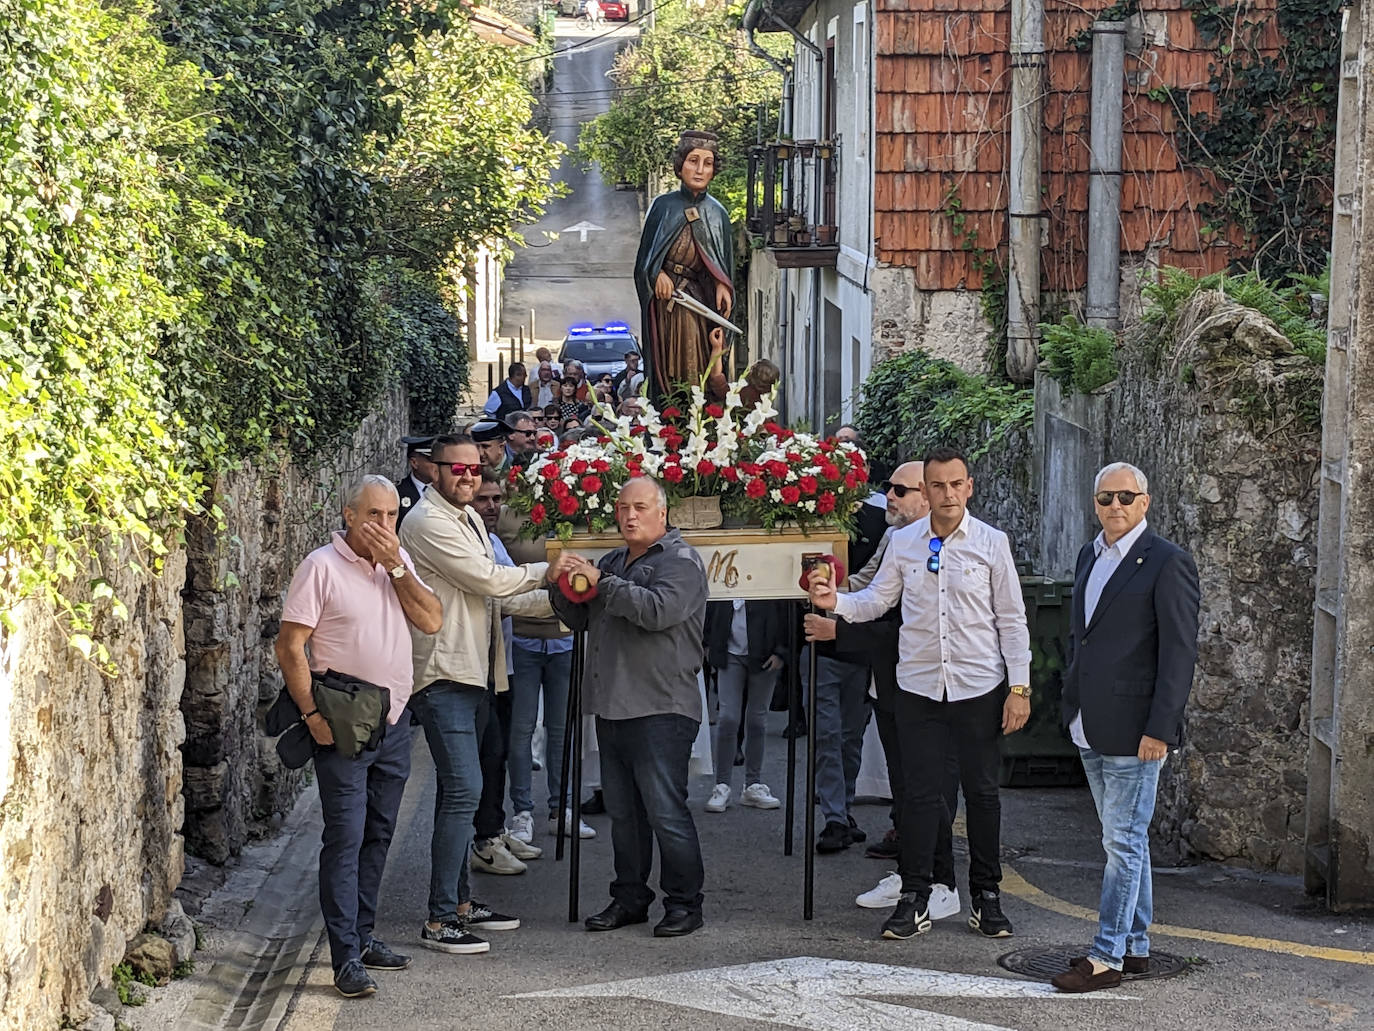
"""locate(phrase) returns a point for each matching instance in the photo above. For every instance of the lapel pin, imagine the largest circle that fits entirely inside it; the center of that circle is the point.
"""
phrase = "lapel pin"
(1139, 561)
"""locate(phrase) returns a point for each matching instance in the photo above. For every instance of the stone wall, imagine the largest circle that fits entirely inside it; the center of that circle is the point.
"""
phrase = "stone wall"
(1005, 493)
(945, 324)
(236, 577)
(90, 792)
(1233, 479)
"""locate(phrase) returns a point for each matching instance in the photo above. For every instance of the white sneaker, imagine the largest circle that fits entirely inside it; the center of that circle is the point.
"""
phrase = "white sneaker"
(758, 796)
(886, 894)
(490, 856)
(522, 827)
(719, 800)
(584, 829)
(520, 849)
(944, 901)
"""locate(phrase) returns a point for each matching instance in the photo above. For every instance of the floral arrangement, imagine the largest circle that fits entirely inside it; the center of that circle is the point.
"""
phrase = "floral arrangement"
(763, 473)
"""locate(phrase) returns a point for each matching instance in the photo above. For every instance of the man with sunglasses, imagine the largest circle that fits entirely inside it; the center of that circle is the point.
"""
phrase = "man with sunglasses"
(1132, 649)
(963, 638)
(454, 667)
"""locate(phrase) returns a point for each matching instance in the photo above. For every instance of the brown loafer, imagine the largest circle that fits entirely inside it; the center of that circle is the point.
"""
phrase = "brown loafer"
(1080, 978)
(1129, 964)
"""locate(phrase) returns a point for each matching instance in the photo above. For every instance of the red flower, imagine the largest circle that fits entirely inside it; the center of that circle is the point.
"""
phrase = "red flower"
(851, 479)
(601, 466)
(776, 469)
(671, 413)
(559, 489)
(729, 472)
(830, 471)
(603, 439)
(807, 484)
(514, 473)
(756, 489)
(861, 474)
(706, 467)
(557, 456)
(567, 506)
(773, 428)
(578, 467)
(794, 456)
(791, 495)
(673, 473)
(590, 484)
(636, 429)
(538, 514)
(634, 468)
(825, 503)
(826, 446)
(751, 469)
(715, 411)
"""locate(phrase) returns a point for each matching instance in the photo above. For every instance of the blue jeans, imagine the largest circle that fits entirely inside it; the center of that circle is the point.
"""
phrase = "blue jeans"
(1123, 788)
(533, 671)
(448, 713)
(644, 784)
(841, 716)
(359, 798)
(744, 697)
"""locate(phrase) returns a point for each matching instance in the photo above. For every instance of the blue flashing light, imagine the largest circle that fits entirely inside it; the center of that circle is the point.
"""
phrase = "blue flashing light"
(581, 329)
(616, 327)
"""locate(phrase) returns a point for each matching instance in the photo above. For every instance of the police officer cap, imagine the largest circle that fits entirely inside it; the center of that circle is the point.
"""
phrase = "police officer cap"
(487, 430)
(417, 445)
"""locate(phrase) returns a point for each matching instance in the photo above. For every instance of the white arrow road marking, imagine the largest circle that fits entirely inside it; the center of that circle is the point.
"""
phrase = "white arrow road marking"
(821, 994)
(583, 228)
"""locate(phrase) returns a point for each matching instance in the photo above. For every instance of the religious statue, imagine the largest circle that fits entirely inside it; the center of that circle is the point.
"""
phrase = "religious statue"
(685, 274)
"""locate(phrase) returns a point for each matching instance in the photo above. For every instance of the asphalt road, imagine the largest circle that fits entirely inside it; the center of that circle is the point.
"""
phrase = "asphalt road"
(565, 274)
(834, 972)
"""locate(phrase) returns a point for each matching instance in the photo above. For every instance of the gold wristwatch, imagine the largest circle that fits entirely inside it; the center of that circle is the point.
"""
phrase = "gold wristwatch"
(398, 572)
(1022, 689)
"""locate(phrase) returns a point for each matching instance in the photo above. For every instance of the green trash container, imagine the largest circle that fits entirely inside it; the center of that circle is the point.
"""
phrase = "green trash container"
(1041, 754)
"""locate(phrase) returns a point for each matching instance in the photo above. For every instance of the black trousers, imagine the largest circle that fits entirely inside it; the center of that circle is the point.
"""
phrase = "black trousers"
(885, 716)
(493, 723)
(928, 732)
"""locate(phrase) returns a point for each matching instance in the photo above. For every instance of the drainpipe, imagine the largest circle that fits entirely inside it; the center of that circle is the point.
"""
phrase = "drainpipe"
(1023, 246)
(1102, 305)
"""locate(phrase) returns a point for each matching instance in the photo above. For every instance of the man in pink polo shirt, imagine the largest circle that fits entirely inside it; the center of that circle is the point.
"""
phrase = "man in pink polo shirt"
(349, 609)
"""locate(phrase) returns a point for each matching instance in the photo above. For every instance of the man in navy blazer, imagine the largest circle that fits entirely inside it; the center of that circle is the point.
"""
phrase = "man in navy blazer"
(1132, 650)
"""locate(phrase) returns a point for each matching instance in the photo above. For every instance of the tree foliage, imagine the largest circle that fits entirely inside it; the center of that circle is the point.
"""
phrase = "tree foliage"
(692, 71)
(224, 227)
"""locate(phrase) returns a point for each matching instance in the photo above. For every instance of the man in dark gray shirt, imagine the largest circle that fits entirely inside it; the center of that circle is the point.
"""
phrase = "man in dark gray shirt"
(643, 656)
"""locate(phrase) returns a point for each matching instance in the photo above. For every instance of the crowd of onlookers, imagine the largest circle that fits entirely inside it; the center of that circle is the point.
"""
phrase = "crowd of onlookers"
(560, 402)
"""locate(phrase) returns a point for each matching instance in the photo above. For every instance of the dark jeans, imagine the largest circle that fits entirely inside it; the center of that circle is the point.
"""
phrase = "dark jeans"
(886, 719)
(644, 784)
(448, 711)
(493, 726)
(537, 671)
(359, 798)
(841, 716)
(928, 731)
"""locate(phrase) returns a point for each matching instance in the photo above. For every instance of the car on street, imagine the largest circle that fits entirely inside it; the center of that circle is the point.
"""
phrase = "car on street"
(615, 10)
(600, 349)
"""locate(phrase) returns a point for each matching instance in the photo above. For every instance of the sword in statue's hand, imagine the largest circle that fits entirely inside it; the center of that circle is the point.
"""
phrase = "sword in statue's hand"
(693, 305)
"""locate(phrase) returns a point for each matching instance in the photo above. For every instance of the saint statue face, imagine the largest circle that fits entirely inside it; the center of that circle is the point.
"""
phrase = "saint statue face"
(698, 169)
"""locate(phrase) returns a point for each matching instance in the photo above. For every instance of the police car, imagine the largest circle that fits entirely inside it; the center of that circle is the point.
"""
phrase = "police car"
(600, 349)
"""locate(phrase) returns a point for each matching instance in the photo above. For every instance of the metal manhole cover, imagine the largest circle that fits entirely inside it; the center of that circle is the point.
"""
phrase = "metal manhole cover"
(1046, 961)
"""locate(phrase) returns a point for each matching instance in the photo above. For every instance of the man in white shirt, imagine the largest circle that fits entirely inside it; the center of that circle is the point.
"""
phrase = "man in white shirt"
(963, 638)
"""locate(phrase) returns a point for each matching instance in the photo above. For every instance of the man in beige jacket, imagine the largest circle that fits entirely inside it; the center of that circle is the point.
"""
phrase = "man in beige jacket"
(449, 545)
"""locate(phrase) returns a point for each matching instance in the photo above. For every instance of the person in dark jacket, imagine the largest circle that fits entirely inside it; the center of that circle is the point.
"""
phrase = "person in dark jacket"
(1132, 651)
(746, 646)
(419, 475)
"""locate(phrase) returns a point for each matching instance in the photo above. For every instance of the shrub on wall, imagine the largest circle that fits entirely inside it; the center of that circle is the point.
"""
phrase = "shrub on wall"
(1081, 358)
(913, 402)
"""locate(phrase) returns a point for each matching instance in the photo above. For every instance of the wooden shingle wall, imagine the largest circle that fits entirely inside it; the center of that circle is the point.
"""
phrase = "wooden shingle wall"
(943, 76)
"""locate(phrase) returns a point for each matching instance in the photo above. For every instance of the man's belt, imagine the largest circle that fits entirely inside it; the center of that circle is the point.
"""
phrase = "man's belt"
(679, 270)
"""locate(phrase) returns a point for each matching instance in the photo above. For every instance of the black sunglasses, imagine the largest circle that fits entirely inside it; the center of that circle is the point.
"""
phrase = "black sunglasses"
(900, 489)
(1126, 497)
(933, 563)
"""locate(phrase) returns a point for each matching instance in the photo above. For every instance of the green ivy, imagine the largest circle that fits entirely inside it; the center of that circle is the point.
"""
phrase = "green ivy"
(1081, 358)
(1271, 143)
(914, 402)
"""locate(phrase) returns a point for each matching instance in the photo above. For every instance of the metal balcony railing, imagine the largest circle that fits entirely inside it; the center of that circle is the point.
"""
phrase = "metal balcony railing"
(792, 208)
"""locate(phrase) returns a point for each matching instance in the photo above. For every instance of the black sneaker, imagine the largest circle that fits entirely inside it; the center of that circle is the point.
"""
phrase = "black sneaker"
(452, 936)
(481, 917)
(834, 838)
(352, 981)
(910, 918)
(856, 833)
(377, 955)
(985, 915)
(888, 848)
(593, 804)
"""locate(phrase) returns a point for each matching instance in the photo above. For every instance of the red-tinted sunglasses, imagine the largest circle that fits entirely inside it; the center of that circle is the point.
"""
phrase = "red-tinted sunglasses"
(458, 468)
